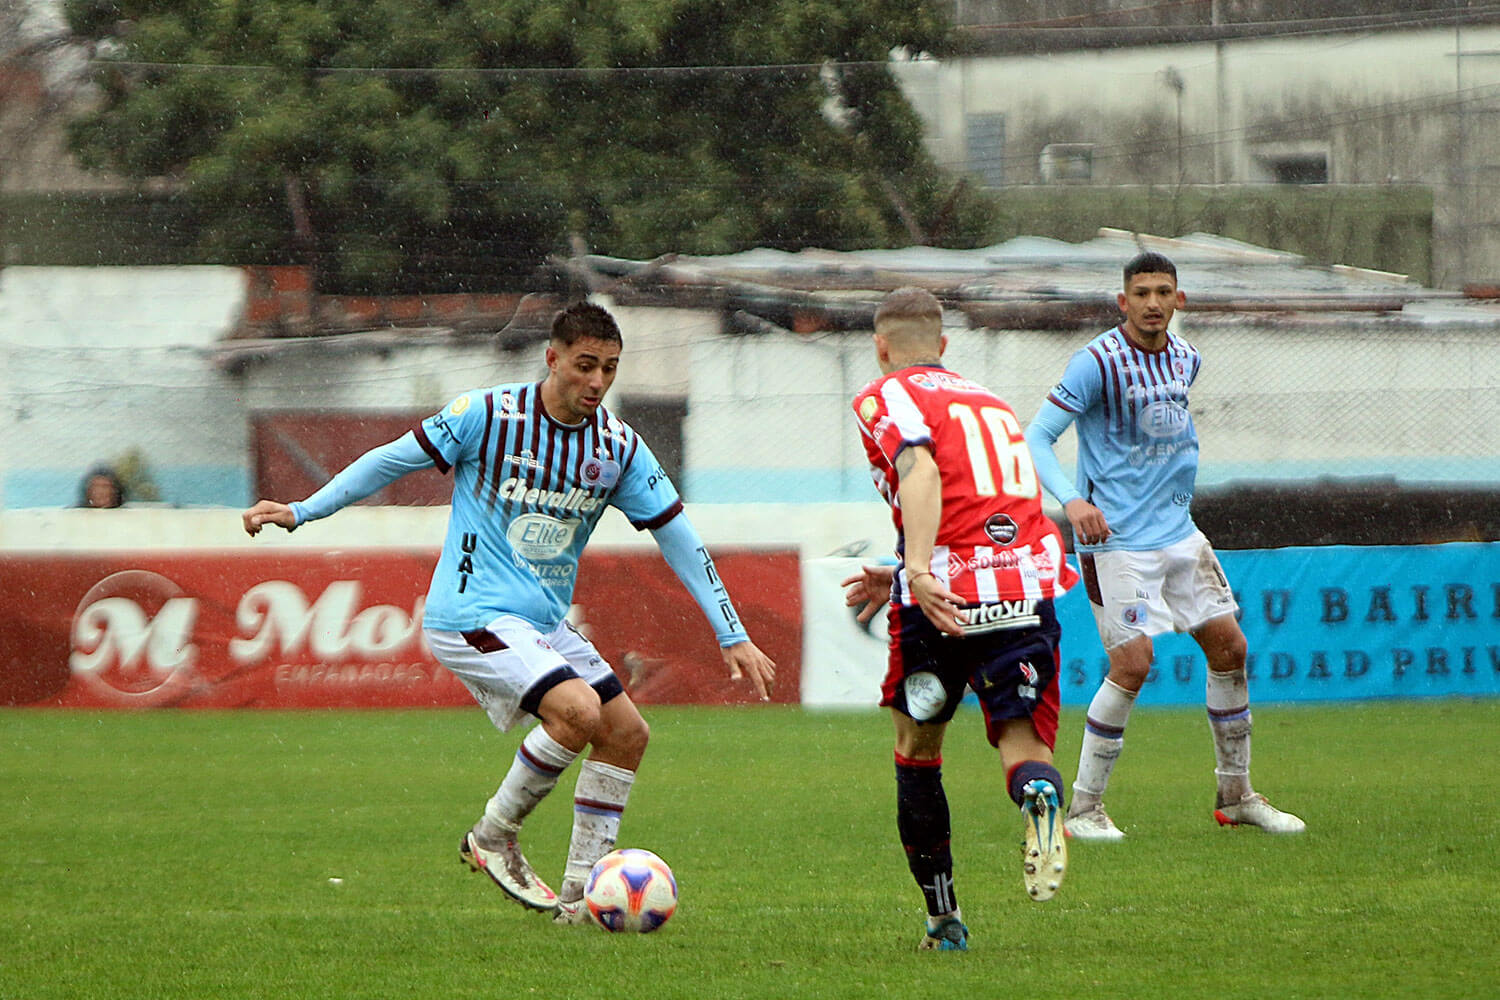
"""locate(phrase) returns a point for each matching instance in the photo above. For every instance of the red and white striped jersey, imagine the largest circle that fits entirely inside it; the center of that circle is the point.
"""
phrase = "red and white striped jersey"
(994, 543)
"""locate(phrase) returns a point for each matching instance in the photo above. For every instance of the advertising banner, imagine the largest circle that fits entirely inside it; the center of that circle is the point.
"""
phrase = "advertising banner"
(312, 629)
(1323, 623)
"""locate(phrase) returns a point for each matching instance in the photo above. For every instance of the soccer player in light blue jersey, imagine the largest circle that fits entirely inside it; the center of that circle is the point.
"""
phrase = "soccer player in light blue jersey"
(534, 466)
(1146, 567)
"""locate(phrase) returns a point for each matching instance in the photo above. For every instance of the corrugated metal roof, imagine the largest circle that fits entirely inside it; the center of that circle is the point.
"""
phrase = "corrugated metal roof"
(1027, 282)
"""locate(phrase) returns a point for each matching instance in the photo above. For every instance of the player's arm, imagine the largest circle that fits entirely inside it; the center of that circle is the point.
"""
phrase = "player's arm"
(375, 469)
(1088, 521)
(685, 552)
(921, 495)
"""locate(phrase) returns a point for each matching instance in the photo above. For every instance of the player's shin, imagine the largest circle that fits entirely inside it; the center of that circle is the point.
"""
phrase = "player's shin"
(1103, 739)
(1228, 698)
(599, 800)
(540, 761)
(923, 822)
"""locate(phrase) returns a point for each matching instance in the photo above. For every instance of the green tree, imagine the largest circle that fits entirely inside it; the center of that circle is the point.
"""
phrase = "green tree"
(424, 143)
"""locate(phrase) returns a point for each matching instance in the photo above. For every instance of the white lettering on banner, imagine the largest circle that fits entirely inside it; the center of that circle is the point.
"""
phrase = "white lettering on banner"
(114, 633)
(278, 616)
(354, 674)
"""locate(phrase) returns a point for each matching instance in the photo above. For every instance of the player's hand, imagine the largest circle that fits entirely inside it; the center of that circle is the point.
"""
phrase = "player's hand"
(1089, 524)
(744, 660)
(938, 603)
(871, 586)
(268, 512)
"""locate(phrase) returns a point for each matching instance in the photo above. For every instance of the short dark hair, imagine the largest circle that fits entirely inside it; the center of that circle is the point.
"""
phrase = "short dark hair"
(1149, 262)
(910, 303)
(584, 319)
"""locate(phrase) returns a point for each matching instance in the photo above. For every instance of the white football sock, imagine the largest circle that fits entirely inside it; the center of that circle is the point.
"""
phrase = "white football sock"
(1227, 695)
(598, 802)
(540, 761)
(1103, 739)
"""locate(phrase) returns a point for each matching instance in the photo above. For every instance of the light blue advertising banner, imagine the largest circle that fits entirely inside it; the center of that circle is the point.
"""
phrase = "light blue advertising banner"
(1330, 623)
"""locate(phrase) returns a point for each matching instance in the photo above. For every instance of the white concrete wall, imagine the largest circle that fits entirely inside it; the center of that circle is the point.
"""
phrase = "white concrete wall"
(89, 370)
(1278, 399)
(98, 361)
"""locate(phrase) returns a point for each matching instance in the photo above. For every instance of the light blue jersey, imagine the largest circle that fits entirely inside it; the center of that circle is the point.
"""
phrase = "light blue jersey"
(1137, 447)
(527, 493)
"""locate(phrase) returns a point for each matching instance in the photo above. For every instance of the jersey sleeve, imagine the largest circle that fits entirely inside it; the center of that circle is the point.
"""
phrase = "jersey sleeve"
(685, 552)
(1041, 439)
(1081, 384)
(368, 473)
(449, 435)
(891, 418)
(646, 495)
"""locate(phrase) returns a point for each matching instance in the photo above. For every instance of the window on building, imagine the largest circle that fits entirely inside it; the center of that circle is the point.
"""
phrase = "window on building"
(1067, 163)
(984, 137)
(1290, 163)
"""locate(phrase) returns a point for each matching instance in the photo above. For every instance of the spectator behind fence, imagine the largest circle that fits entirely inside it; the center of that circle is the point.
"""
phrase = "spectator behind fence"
(101, 487)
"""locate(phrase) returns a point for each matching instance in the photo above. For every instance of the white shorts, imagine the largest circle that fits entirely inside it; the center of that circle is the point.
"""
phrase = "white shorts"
(508, 666)
(1148, 593)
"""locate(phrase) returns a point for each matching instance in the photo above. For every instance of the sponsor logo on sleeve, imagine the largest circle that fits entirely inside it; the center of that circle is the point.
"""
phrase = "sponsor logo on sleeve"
(1061, 393)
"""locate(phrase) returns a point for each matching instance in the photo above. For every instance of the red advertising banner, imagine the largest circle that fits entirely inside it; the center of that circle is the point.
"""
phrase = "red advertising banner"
(304, 629)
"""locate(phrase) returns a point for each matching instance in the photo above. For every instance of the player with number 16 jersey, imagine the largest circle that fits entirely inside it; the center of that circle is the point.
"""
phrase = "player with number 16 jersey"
(994, 543)
(970, 605)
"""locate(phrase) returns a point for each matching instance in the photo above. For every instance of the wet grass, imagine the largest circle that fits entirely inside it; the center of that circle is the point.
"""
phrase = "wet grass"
(193, 854)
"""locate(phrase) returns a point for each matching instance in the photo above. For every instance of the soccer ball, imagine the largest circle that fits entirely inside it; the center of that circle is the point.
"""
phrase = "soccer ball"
(630, 890)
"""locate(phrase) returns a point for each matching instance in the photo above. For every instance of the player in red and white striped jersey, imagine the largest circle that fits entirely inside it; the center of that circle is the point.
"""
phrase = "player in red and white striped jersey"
(971, 602)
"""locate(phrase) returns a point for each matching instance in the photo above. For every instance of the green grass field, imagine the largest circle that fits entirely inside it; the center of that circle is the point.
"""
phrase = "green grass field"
(189, 854)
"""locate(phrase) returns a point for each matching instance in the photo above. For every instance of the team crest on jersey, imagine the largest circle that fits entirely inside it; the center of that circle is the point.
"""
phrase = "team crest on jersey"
(1001, 529)
(459, 405)
(868, 408)
(600, 472)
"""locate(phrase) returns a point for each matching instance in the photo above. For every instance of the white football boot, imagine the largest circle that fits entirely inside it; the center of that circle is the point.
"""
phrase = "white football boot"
(1254, 810)
(1044, 856)
(1093, 825)
(508, 868)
